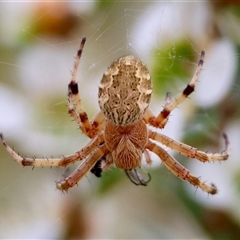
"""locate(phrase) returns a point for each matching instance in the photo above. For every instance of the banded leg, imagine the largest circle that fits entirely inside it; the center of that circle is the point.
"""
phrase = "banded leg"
(189, 151)
(83, 169)
(75, 108)
(161, 120)
(180, 171)
(54, 162)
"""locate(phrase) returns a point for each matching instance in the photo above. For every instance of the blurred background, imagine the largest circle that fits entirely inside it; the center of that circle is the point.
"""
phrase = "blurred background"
(38, 42)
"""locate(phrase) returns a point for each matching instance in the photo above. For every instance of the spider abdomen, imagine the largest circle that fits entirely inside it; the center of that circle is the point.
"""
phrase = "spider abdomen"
(126, 143)
(125, 91)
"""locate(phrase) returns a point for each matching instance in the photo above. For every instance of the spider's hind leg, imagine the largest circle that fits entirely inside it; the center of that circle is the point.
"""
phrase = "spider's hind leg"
(83, 169)
(178, 170)
(190, 151)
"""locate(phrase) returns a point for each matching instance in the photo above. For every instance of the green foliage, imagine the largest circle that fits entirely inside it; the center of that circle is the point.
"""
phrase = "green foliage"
(197, 129)
(237, 180)
(235, 10)
(109, 180)
(54, 110)
(171, 63)
(104, 4)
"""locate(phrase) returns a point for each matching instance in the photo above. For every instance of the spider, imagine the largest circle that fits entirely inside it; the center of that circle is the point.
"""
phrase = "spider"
(119, 133)
(133, 174)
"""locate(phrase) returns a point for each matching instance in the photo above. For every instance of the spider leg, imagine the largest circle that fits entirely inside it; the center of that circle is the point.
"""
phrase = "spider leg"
(75, 108)
(83, 169)
(107, 162)
(189, 151)
(180, 171)
(97, 170)
(147, 157)
(53, 162)
(102, 165)
(161, 120)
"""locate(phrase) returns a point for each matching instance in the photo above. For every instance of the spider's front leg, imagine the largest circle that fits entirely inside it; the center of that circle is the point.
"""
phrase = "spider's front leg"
(75, 108)
(162, 118)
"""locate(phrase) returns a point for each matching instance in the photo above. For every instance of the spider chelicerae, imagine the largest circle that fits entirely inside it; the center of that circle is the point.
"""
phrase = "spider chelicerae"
(119, 133)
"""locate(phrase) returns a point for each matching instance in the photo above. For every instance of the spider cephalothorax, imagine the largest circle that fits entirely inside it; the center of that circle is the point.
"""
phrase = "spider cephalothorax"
(119, 133)
(126, 143)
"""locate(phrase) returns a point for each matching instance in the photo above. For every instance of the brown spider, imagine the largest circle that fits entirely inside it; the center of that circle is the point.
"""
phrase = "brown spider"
(119, 132)
(133, 174)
